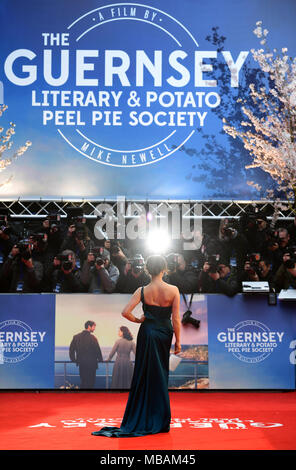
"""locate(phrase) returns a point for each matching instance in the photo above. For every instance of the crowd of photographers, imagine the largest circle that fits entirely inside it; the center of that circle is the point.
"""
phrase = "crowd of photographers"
(65, 257)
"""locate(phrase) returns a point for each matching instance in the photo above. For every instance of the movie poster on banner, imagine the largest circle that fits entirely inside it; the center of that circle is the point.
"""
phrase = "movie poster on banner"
(128, 98)
(27, 325)
(251, 343)
(110, 363)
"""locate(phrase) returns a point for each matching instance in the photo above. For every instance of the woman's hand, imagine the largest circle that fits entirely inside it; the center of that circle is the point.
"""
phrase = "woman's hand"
(141, 319)
(177, 348)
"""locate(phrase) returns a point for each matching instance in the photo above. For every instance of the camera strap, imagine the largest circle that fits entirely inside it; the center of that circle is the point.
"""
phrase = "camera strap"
(188, 306)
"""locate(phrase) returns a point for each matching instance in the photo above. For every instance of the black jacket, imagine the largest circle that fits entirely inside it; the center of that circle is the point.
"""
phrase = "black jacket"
(85, 349)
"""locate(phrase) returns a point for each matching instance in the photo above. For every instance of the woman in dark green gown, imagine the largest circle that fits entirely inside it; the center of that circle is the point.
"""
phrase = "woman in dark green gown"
(148, 407)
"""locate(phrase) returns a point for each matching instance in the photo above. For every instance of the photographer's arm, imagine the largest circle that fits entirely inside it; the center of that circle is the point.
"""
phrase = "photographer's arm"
(85, 272)
(109, 279)
(228, 288)
(34, 273)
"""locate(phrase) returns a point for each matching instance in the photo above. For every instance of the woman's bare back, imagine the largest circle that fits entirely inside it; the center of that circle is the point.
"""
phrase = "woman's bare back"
(159, 293)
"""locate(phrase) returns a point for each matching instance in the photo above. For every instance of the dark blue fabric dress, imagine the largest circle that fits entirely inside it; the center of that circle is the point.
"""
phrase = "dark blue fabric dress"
(148, 407)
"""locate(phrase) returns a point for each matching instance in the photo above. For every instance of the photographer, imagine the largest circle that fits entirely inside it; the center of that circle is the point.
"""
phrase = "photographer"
(117, 254)
(266, 270)
(233, 243)
(39, 247)
(258, 267)
(285, 277)
(7, 238)
(278, 245)
(217, 276)
(180, 275)
(55, 233)
(98, 273)
(250, 271)
(78, 241)
(20, 272)
(133, 276)
(256, 230)
(63, 276)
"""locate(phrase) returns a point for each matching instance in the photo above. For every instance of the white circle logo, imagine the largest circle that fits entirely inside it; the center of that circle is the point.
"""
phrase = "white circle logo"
(250, 341)
(17, 341)
(130, 112)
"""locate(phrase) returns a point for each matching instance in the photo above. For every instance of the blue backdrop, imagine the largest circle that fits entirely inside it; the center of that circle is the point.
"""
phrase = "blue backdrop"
(128, 98)
(27, 327)
(249, 344)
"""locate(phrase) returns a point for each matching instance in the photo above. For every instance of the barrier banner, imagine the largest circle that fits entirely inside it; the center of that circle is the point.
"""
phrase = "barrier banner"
(27, 328)
(128, 98)
(229, 343)
(251, 344)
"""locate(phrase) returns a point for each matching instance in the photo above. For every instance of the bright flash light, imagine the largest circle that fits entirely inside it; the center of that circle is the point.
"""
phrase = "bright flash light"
(158, 241)
(149, 216)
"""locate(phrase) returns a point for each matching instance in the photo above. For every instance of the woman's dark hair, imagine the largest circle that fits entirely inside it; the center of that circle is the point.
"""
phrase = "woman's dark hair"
(155, 264)
(126, 333)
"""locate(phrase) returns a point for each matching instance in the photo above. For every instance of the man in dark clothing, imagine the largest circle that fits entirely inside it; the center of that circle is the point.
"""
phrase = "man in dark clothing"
(220, 279)
(232, 242)
(180, 275)
(98, 273)
(78, 241)
(86, 353)
(285, 277)
(63, 276)
(20, 272)
(133, 276)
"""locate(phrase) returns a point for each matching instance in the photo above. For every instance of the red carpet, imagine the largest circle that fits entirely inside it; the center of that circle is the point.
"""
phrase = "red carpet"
(200, 421)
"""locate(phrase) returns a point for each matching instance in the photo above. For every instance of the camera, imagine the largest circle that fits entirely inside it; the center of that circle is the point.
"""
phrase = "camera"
(172, 261)
(187, 319)
(38, 237)
(98, 255)
(25, 246)
(291, 250)
(99, 261)
(5, 229)
(290, 263)
(65, 262)
(273, 239)
(229, 230)
(79, 231)
(213, 261)
(137, 264)
(3, 225)
(253, 260)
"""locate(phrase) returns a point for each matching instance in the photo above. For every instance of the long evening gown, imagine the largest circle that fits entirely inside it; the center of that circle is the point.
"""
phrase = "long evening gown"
(148, 407)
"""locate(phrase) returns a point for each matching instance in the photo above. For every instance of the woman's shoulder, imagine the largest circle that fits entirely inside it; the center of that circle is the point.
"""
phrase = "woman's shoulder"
(170, 287)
